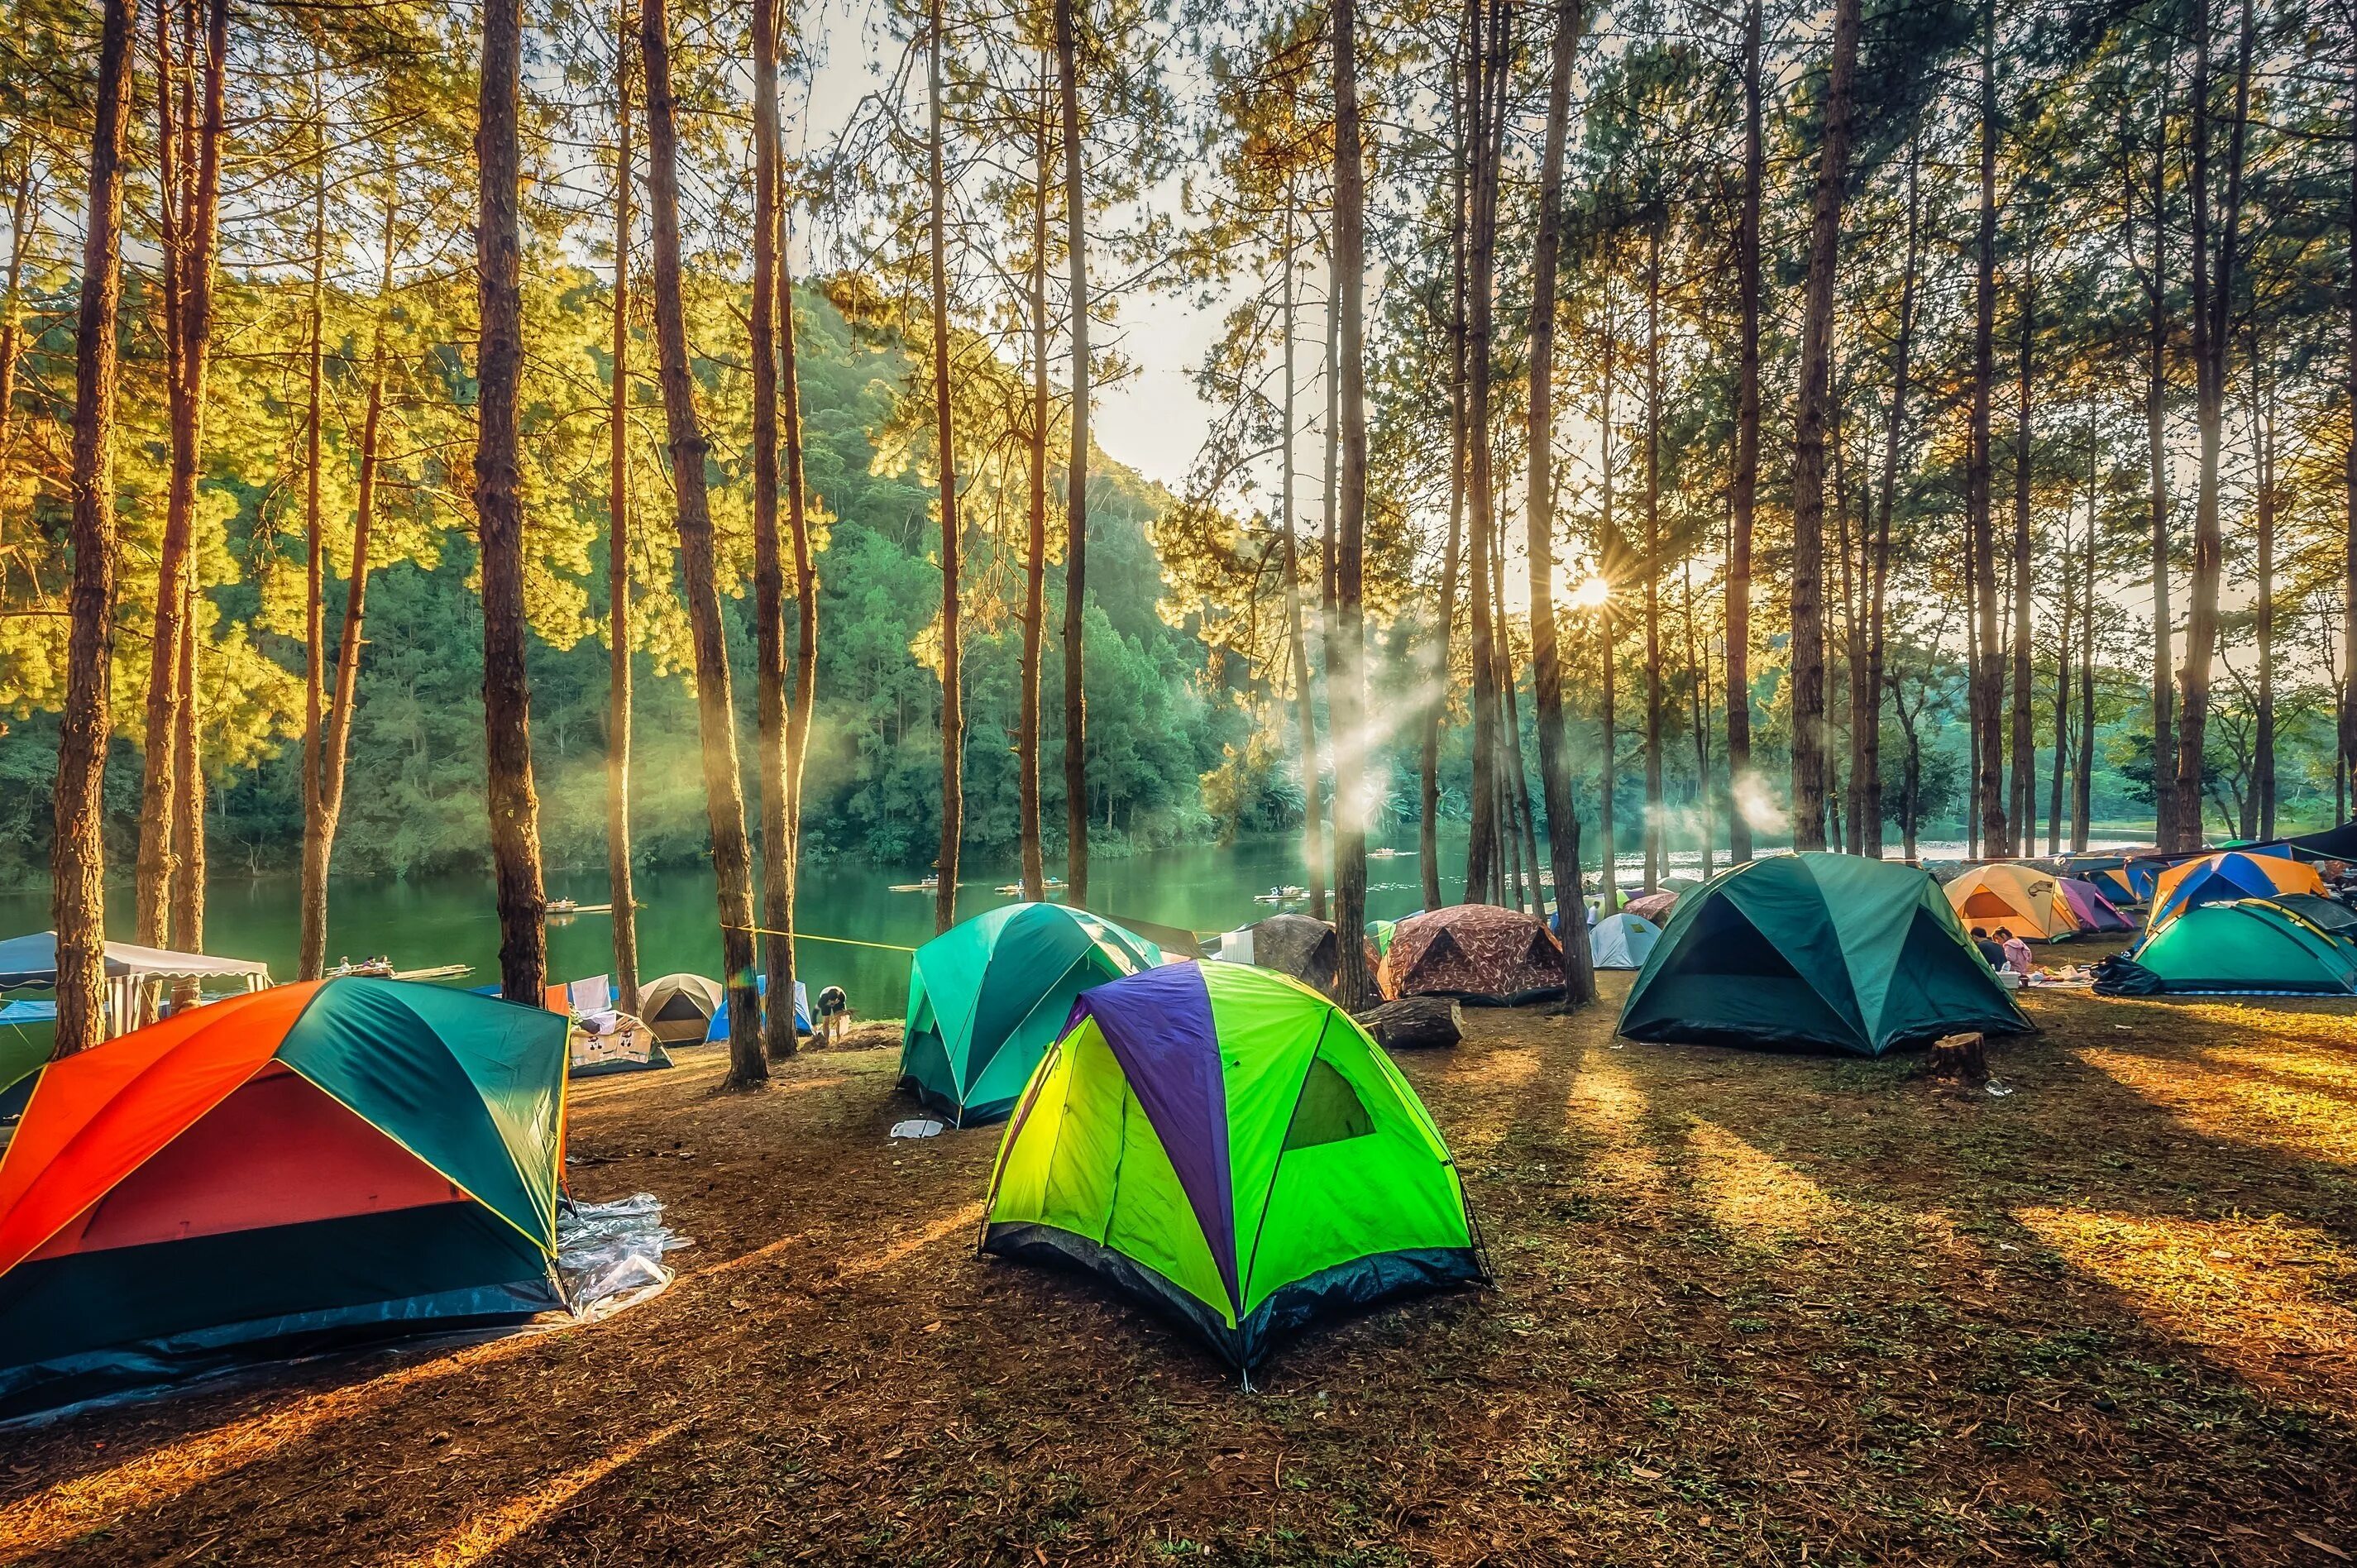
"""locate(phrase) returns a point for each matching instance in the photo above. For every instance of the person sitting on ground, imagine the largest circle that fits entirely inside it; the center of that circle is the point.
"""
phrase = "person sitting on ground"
(2017, 953)
(1991, 954)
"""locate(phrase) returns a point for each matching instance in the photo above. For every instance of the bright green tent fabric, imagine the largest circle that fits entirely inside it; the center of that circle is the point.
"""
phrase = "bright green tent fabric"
(1820, 950)
(2252, 947)
(1226, 1144)
(988, 996)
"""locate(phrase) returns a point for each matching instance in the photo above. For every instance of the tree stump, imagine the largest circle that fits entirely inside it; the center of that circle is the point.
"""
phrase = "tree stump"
(1959, 1057)
(1414, 1022)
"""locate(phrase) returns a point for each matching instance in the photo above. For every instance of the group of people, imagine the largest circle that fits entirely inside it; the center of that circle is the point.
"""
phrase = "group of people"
(2004, 950)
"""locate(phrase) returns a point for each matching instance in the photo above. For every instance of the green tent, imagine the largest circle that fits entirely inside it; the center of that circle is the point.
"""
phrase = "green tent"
(987, 998)
(2254, 946)
(1820, 950)
(1226, 1144)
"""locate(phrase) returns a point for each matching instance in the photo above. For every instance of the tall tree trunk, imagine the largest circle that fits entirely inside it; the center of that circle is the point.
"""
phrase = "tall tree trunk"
(188, 820)
(2156, 411)
(1987, 704)
(1746, 478)
(1608, 563)
(1491, 52)
(311, 960)
(1076, 465)
(2213, 293)
(2025, 722)
(2262, 792)
(1346, 682)
(619, 872)
(22, 217)
(1546, 663)
(1809, 443)
(77, 851)
(1654, 846)
(1853, 625)
(2349, 535)
(1514, 777)
(337, 744)
(1313, 840)
(2062, 707)
(945, 447)
(1901, 367)
(1698, 678)
(499, 507)
(798, 540)
(1035, 537)
(770, 695)
(1444, 630)
(732, 858)
(1972, 699)
(2083, 785)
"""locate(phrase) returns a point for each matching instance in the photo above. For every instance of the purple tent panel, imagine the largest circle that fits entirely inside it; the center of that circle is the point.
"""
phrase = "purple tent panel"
(1158, 1024)
(2089, 907)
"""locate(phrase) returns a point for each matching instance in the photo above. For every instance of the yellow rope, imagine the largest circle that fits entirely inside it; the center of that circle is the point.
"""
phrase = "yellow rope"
(814, 937)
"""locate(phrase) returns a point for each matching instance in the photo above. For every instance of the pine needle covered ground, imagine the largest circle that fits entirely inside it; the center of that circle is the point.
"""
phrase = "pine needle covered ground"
(1750, 1309)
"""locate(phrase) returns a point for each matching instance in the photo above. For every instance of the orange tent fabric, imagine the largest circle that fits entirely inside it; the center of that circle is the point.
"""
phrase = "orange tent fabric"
(104, 1113)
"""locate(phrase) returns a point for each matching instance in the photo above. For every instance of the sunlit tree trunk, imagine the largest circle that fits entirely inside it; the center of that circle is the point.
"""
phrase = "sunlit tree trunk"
(189, 821)
(2061, 707)
(1745, 480)
(1346, 680)
(1654, 845)
(2025, 722)
(619, 871)
(2349, 535)
(1490, 56)
(2156, 411)
(1547, 663)
(770, 691)
(1035, 540)
(77, 851)
(723, 794)
(2213, 293)
(798, 540)
(1452, 550)
(22, 214)
(1609, 562)
(1901, 368)
(2083, 785)
(1076, 464)
(945, 863)
(1809, 443)
(1698, 676)
(2262, 792)
(311, 960)
(1313, 837)
(1986, 705)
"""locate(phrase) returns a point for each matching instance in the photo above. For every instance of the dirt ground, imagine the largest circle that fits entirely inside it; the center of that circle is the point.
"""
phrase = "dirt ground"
(1748, 1309)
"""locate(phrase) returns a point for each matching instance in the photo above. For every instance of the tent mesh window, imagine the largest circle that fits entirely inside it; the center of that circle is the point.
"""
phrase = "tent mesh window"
(1328, 1111)
(678, 1008)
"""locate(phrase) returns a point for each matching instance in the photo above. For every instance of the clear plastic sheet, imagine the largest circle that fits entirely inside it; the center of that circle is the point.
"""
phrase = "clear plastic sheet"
(610, 1255)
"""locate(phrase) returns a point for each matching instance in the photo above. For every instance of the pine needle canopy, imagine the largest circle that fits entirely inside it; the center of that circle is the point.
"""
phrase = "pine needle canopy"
(1816, 950)
(988, 996)
(1227, 1146)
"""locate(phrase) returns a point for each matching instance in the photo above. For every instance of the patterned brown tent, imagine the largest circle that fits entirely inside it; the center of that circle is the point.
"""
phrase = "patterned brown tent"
(1298, 946)
(1470, 949)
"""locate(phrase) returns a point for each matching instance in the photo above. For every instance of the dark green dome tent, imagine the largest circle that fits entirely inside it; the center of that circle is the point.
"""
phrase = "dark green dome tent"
(1828, 950)
(986, 998)
(2255, 947)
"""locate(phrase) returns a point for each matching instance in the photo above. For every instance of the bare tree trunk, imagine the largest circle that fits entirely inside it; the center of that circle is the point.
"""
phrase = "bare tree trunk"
(2061, 707)
(311, 960)
(1809, 443)
(1987, 702)
(1035, 542)
(2349, 537)
(1546, 664)
(1346, 684)
(1609, 553)
(1698, 675)
(2212, 305)
(2082, 784)
(619, 871)
(945, 446)
(2262, 792)
(2155, 409)
(1853, 629)
(1313, 838)
(189, 821)
(2025, 722)
(1428, 826)
(1490, 53)
(1901, 367)
(1076, 466)
(1514, 779)
(798, 540)
(22, 217)
(770, 698)
(732, 858)
(78, 852)
(1654, 845)
(1746, 478)
(336, 747)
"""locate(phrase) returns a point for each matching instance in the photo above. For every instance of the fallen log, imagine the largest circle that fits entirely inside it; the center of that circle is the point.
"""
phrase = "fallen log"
(1416, 1022)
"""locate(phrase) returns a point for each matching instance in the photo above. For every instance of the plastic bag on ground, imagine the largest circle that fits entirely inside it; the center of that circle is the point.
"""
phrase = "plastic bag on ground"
(610, 1255)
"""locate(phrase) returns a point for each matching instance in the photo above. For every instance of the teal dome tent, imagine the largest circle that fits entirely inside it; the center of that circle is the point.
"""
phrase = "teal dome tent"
(1822, 951)
(987, 999)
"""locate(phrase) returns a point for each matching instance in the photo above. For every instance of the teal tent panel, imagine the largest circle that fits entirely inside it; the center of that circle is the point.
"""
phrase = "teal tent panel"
(1716, 977)
(1032, 959)
(471, 1085)
(1784, 903)
(1934, 990)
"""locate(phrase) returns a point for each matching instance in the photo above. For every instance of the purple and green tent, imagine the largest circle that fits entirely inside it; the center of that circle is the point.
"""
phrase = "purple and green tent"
(1226, 1144)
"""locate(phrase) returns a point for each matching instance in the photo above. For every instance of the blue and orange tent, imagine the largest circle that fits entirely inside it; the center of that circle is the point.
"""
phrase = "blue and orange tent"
(2223, 878)
(308, 1164)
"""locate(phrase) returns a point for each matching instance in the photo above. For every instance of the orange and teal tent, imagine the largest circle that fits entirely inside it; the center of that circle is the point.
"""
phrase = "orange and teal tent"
(1226, 1144)
(312, 1162)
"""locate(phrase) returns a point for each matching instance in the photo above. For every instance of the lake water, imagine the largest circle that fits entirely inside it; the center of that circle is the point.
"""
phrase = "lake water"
(426, 922)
